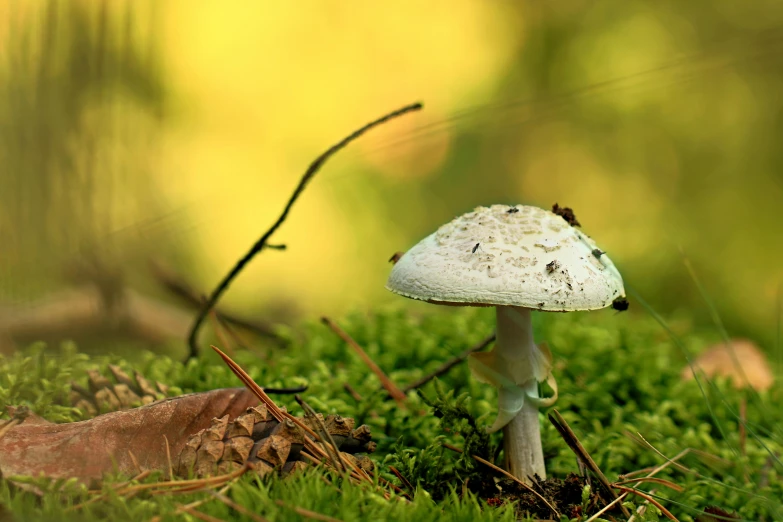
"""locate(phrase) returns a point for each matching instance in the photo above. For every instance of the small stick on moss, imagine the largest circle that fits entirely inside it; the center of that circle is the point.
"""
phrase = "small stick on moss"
(198, 514)
(279, 414)
(650, 475)
(307, 513)
(387, 383)
(177, 285)
(507, 475)
(311, 171)
(641, 510)
(323, 433)
(448, 365)
(404, 481)
(571, 439)
(166, 487)
(667, 483)
(237, 507)
(354, 393)
(197, 503)
(650, 500)
(120, 485)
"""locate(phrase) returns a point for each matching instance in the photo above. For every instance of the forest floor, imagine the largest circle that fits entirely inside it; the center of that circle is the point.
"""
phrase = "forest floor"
(620, 391)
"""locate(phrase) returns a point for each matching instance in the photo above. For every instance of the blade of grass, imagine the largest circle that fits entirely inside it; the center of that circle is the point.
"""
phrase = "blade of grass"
(688, 357)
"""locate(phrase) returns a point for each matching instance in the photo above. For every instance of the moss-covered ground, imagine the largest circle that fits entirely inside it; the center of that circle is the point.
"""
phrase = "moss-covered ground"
(618, 375)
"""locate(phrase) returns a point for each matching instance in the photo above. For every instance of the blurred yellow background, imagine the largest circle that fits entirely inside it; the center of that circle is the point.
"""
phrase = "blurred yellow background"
(177, 130)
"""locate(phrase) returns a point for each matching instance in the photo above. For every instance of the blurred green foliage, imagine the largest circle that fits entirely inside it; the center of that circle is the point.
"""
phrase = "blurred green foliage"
(658, 122)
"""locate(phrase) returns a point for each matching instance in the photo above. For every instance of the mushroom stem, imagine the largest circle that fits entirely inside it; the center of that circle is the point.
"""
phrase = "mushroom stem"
(515, 348)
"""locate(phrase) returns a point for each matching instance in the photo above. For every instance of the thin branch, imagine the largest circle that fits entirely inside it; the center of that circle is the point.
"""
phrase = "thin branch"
(573, 442)
(283, 416)
(387, 383)
(177, 285)
(198, 514)
(307, 513)
(650, 475)
(649, 499)
(448, 365)
(405, 482)
(668, 483)
(237, 507)
(352, 392)
(312, 170)
(323, 433)
(197, 503)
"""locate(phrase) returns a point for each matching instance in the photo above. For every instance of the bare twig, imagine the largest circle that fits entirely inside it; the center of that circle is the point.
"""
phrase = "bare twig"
(237, 507)
(198, 503)
(404, 481)
(198, 514)
(573, 442)
(354, 393)
(175, 284)
(387, 383)
(323, 433)
(667, 483)
(606, 508)
(71, 313)
(649, 476)
(641, 510)
(649, 499)
(276, 412)
(282, 416)
(311, 171)
(448, 365)
(307, 513)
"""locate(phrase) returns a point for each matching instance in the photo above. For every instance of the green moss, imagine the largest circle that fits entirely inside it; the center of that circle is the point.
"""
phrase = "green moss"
(617, 374)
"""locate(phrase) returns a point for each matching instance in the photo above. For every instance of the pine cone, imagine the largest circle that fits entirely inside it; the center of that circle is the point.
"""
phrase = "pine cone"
(104, 395)
(259, 439)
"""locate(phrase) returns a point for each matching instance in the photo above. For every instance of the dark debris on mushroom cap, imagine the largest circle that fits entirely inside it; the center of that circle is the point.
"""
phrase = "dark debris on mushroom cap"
(566, 213)
(620, 304)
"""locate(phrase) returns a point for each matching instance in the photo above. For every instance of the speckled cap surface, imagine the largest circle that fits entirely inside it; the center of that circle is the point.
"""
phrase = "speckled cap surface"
(515, 256)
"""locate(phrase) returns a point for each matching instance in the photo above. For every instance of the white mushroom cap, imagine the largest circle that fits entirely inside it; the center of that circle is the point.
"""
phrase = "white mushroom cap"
(526, 257)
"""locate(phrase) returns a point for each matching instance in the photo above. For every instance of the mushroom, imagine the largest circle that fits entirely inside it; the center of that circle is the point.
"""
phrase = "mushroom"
(517, 259)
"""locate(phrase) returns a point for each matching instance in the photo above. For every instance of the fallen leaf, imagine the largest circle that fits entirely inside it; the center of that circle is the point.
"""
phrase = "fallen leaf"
(90, 449)
(740, 360)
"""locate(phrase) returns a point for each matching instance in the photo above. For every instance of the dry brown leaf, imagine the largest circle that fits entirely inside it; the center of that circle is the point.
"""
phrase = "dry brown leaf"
(746, 365)
(89, 449)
